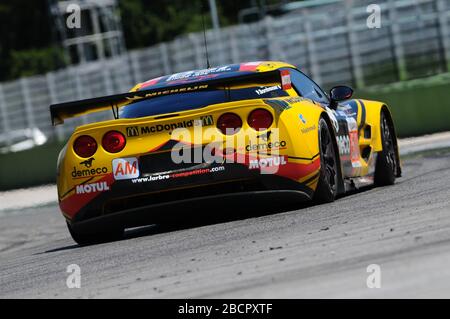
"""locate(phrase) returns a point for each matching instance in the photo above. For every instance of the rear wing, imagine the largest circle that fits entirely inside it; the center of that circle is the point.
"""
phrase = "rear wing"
(62, 111)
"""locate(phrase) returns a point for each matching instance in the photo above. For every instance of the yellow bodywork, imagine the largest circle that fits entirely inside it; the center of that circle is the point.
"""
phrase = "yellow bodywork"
(301, 139)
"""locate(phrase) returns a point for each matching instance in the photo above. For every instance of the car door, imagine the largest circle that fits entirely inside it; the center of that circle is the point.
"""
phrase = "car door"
(343, 120)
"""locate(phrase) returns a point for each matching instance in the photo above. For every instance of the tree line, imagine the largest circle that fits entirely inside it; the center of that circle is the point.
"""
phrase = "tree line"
(29, 43)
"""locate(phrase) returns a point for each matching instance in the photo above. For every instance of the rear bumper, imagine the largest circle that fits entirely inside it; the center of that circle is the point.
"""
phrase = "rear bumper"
(198, 207)
(234, 180)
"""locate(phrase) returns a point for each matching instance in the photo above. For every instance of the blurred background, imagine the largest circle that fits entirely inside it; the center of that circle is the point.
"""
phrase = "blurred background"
(55, 51)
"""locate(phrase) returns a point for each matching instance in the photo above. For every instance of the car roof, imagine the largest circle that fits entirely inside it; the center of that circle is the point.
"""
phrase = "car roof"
(214, 73)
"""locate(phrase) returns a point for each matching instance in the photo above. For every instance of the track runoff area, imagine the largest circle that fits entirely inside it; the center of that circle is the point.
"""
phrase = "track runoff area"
(389, 242)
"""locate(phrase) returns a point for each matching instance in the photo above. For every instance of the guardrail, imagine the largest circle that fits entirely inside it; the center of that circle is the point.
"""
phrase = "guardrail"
(331, 42)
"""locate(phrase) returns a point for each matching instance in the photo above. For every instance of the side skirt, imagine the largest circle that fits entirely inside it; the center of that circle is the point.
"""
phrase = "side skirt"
(355, 183)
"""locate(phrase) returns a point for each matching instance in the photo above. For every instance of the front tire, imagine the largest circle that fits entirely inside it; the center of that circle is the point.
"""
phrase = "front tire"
(386, 166)
(327, 186)
(85, 239)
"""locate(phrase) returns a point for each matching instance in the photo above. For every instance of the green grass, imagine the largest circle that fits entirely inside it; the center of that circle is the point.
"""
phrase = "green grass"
(29, 168)
(419, 106)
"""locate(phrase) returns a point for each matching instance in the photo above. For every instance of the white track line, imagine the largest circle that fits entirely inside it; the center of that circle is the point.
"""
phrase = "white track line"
(43, 195)
(28, 197)
(424, 143)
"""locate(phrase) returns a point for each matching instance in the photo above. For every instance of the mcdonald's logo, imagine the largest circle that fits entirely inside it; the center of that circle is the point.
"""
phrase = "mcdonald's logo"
(132, 131)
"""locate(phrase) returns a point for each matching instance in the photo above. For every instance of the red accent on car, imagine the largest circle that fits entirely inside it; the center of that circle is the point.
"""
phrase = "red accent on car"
(73, 203)
(85, 146)
(229, 123)
(150, 83)
(249, 66)
(291, 170)
(286, 79)
(113, 142)
(260, 119)
(296, 171)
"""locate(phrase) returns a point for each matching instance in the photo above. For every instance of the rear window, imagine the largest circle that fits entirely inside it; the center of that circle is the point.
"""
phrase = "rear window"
(199, 99)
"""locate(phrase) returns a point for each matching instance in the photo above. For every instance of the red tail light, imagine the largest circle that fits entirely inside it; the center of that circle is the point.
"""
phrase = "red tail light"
(229, 123)
(260, 119)
(113, 142)
(85, 146)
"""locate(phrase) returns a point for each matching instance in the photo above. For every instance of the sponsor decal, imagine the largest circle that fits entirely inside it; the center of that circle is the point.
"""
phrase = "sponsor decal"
(286, 80)
(152, 178)
(354, 142)
(266, 146)
(332, 114)
(296, 99)
(125, 168)
(268, 89)
(344, 144)
(352, 125)
(267, 162)
(199, 73)
(350, 108)
(89, 172)
(198, 172)
(92, 188)
(308, 129)
(133, 131)
(167, 92)
(207, 120)
(160, 177)
(302, 118)
(278, 105)
(266, 136)
(88, 163)
(354, 149)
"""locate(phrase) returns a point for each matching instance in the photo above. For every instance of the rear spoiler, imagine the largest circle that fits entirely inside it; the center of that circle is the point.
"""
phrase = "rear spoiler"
(62, 111)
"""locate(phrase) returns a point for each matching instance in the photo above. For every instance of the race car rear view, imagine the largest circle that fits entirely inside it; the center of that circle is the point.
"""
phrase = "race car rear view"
(260, 128)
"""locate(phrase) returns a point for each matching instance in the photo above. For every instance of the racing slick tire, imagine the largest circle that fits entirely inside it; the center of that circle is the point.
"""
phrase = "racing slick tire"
(386, 166)
(327, 186)
(85, 239)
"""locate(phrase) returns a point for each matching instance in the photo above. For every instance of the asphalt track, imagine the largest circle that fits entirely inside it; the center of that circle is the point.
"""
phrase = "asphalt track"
(302, 252)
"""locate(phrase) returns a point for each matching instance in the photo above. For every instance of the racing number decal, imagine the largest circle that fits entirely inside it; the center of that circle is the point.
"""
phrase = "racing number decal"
(354, 142)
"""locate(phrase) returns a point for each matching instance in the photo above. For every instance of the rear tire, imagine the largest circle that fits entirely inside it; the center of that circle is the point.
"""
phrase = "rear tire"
(386, 166)
(85, 239)
(327, 186)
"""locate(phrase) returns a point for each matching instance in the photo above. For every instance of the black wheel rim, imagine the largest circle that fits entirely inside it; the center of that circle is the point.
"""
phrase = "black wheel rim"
(328, 158)
(388, 144)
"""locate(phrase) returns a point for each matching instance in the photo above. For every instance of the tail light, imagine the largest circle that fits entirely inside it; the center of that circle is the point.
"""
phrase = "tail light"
(85, 146)
(229, 123)
(260, 119)
(113, 142)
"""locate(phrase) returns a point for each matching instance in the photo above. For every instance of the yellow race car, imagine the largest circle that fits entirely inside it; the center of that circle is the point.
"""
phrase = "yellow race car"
(260, 129)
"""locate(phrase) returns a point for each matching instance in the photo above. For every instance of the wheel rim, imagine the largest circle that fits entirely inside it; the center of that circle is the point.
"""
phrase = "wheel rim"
(328, 159)
(388, 144)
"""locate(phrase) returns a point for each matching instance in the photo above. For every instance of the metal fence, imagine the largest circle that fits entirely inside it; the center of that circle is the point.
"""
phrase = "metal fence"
(331, 42)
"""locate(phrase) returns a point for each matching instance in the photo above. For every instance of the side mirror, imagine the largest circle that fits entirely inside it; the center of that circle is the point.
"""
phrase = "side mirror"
(340, 93)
